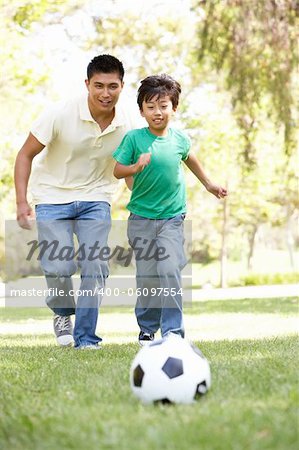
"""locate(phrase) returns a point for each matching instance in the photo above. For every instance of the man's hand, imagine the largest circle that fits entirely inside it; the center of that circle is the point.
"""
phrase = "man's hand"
(25, 215)
(218, 191)
(143, 161)
(30, 149)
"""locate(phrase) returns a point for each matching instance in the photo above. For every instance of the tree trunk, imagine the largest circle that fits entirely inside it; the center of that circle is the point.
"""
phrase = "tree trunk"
(223, 254)
(290, 240)
(251, 247)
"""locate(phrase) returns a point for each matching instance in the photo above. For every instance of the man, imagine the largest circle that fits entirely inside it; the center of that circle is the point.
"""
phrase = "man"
(72, 184)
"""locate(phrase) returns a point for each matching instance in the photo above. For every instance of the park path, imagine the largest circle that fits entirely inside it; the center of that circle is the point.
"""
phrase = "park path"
(122, 327)
(206, 293)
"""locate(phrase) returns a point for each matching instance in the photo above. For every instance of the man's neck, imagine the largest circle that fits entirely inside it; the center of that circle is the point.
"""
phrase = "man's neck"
(102, 118)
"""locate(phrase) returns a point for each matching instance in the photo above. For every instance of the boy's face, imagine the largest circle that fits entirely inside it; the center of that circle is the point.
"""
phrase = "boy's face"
(158, 112)
(103, 91)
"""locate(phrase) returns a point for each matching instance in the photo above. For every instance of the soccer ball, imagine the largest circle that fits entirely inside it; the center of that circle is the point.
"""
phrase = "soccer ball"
(170, 370)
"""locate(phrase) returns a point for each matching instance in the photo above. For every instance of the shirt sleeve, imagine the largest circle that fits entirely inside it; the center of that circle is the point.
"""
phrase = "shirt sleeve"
(43, 128)
(124, 154)
(187, 146)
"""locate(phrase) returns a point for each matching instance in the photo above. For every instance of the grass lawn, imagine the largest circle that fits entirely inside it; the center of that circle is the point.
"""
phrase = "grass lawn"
(62, 398)
(285, 305)
(67, 399)
(265, 262)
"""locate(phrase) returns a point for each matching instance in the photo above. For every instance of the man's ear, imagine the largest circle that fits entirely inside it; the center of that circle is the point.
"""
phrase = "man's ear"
(141, 112)
(87, 83)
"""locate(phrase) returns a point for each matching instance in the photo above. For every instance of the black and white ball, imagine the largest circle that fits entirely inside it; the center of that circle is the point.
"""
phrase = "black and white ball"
(170, 370)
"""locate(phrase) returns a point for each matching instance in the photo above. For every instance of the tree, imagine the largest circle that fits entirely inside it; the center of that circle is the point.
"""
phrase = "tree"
(253, 48)
(255, 45)
(24, 72)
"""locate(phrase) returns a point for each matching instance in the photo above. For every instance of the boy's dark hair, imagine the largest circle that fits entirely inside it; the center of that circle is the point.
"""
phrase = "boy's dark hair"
(105, 64)
(159, 85)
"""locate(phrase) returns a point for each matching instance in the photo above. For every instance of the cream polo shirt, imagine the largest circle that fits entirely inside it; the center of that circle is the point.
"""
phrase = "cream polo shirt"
(76, 164)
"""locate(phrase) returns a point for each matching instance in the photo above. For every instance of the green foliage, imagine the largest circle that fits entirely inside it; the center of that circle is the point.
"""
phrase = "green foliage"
(23, 15)
(150, 45)
(251, 47)
(34, 11)
(255, 44)
(26, 72)
(253, 279)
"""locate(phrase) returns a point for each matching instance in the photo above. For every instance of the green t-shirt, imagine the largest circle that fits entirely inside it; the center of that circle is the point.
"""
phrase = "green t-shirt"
(159, 191)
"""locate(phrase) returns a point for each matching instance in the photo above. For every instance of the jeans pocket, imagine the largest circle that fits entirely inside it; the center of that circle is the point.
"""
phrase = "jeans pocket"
(41, 210)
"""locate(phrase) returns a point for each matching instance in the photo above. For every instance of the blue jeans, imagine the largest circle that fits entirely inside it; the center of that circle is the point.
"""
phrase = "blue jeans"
(158, 246)
(57, 224)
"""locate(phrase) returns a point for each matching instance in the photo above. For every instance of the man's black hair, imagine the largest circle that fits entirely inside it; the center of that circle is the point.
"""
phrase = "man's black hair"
(105, 64)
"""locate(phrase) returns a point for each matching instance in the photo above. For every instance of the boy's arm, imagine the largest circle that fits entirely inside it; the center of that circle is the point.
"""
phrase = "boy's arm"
(194, 165)
(122, 171)
(129, 182)
(22, 172)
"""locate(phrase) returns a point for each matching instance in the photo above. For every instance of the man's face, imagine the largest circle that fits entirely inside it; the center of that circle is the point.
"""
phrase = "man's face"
(103, 91)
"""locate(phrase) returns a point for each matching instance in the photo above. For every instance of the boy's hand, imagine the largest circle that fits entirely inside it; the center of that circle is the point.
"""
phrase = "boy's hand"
(24, 215)
(218, 191)
(143, 161)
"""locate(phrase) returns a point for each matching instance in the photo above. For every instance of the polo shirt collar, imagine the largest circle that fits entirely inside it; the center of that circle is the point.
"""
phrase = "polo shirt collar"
(117, 121)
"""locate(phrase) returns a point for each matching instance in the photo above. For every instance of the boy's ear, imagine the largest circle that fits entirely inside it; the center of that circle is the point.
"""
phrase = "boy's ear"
(141, 112)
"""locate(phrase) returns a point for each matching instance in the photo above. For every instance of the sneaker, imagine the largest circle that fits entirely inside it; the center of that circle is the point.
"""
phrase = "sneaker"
(63, 330)
(172, 335)
(145, 338)
(88, 347)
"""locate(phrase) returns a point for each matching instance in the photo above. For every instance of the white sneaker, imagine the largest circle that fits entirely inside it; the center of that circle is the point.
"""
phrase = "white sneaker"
(63, 330)
(172, 335)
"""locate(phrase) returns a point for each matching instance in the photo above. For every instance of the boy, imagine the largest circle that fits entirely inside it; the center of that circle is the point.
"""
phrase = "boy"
(153, 157)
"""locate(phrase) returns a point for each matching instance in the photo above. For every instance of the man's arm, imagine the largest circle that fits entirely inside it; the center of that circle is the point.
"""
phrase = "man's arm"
(22, 172)
(122, 171)
(194, 165)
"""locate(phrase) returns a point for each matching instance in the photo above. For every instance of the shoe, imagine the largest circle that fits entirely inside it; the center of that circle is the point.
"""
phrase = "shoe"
(63, 330)
(172, 335)
(88, 347)
(145, 338)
